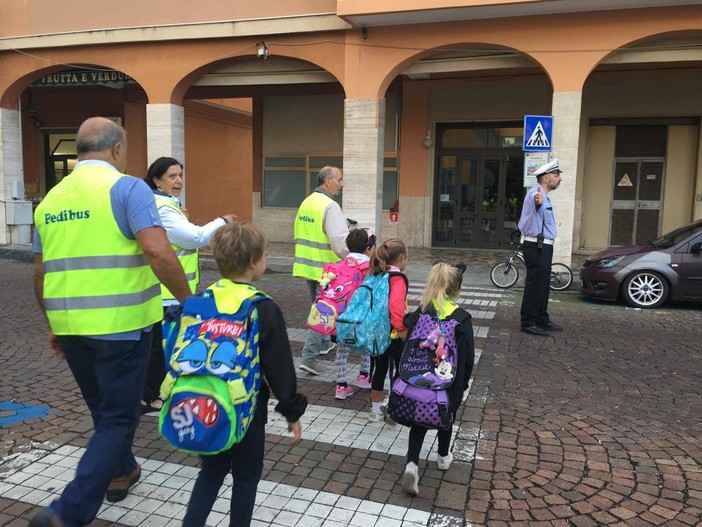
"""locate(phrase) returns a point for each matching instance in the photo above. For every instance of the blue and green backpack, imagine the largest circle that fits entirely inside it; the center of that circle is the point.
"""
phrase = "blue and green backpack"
(213, 369)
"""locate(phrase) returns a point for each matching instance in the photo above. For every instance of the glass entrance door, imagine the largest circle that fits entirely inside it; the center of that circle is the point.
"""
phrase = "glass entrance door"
(477, 197)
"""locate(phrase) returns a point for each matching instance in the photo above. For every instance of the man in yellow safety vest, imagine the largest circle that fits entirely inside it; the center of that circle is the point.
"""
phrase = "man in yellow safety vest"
(320, 238)
(100, 252)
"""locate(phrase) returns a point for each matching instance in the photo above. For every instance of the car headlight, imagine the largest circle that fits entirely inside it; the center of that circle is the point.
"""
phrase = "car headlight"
(607, 262)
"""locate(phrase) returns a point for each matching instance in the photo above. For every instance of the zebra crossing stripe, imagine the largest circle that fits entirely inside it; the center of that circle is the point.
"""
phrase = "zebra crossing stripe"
(161, 496)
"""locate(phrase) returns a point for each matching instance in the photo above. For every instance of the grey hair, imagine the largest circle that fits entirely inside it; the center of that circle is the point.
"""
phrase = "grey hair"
(103, 139)
(325, 174)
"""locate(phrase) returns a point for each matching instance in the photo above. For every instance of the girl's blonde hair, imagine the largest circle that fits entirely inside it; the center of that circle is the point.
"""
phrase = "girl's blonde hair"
(444, 283)
(387, 253)
(235, 245)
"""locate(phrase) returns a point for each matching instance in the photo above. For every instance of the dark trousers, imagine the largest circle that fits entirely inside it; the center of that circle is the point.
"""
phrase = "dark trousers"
(381, 364)
(416, 440)
(110, 375)
(245, 461)
(536, 288)
(156, 370)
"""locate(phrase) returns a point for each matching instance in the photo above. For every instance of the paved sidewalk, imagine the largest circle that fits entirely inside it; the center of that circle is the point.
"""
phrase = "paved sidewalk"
(598, 425)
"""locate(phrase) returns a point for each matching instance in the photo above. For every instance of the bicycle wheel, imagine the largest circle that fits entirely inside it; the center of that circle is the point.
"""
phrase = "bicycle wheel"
(504, 275)
(561, 277)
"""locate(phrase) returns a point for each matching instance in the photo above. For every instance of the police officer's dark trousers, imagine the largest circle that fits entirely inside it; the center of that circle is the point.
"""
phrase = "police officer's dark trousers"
(534, 310)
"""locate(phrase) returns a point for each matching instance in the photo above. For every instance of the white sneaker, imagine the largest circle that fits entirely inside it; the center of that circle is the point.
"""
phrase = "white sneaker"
(374, 417)
(325, 351)
(410, 479)
(444, 462)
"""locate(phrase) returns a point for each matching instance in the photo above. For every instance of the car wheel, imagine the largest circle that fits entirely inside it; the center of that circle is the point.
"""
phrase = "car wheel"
(645, 289)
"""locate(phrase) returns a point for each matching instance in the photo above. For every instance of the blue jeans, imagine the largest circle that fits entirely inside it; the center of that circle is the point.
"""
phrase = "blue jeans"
(110, 375)
(245, 461)
(314, 342)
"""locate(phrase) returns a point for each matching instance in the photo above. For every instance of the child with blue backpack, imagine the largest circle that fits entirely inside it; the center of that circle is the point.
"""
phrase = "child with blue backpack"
(391, 257)
(360, 243)
(441, 337)
(239, 250)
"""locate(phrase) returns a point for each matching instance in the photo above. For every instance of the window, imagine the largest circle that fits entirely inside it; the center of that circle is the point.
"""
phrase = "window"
(288, 180)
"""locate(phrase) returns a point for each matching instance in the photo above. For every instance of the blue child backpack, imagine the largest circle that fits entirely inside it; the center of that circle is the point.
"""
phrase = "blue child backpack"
(365, 325)
(419, 394)
(213, 369)
(339, 281)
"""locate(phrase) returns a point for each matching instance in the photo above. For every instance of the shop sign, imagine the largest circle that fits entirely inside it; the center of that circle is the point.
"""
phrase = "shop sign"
(83, 78)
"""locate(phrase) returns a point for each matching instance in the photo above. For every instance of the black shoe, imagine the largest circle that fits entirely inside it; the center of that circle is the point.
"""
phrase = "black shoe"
(551, 327)
(535, 330)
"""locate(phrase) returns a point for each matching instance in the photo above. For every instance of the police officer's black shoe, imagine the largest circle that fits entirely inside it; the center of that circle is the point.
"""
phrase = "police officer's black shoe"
(551, 327)
(535, 330)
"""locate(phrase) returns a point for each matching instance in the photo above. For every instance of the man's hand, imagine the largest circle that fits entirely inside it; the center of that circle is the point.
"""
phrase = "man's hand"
(230, 217)
(538, 198)
(55, 347)
(296, 430)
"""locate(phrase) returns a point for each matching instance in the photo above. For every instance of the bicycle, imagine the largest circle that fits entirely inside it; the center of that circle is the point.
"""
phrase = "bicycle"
(505, 274)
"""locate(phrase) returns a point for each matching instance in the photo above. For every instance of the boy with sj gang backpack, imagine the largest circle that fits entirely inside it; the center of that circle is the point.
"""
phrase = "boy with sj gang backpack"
(434, 369)
(216, 399)
(338, 283)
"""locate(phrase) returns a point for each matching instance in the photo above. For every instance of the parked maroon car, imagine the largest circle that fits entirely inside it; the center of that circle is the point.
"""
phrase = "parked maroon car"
(670, 267)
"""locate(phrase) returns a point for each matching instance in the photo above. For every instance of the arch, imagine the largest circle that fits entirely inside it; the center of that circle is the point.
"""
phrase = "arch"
(287, 51)
(651, 38)
(418, 55)
(11, 95)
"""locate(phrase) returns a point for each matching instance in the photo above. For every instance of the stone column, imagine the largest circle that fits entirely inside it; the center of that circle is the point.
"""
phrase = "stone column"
(15, 212)
(566, 134)
(364, 133)
(165, 134)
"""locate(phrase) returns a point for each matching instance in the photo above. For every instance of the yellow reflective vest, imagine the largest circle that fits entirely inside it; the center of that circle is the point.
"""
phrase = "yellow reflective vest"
(96, 281)
(188, 258)
(312, 248)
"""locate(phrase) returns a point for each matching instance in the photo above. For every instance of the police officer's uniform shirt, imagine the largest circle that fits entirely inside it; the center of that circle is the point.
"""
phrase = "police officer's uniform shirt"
(532, 220)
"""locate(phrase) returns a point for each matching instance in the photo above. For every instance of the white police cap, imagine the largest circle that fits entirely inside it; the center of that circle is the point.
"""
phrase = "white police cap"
(548, 168)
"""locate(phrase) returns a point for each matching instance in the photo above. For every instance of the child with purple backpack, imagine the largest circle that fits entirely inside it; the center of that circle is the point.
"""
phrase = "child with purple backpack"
(434, 370)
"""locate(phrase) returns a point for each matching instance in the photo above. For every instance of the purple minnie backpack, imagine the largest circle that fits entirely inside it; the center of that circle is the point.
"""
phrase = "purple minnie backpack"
(419, 394)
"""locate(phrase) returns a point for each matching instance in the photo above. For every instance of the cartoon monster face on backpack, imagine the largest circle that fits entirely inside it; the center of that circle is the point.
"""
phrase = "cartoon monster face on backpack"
(199, 358)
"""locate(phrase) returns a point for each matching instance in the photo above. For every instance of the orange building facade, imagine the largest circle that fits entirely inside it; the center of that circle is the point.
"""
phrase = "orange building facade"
(422, 103)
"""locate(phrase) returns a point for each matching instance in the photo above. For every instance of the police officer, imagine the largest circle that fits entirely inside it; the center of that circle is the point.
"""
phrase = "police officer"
(320, 238)
(100, 252)
(538, 226)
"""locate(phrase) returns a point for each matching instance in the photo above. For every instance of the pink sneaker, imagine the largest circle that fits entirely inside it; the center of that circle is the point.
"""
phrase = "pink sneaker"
(343, 392)
(362, 380)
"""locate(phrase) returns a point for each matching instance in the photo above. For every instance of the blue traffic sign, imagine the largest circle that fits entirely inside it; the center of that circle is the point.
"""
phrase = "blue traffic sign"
(538, 133)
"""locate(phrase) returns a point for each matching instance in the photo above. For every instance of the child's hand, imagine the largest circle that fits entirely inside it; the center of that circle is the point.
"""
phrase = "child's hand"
(296, 430)
(402, 334)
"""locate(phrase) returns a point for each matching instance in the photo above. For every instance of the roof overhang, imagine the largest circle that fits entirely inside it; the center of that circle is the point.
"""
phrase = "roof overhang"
(370, 13)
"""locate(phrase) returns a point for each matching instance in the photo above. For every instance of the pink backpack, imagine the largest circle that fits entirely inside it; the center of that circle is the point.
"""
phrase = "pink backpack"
(339, 281)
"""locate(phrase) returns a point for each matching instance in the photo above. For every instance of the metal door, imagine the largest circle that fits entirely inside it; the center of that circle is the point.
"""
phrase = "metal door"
(636, 200)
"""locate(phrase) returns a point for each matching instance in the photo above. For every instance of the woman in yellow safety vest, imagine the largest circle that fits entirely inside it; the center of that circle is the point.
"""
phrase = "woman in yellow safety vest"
(165, 177)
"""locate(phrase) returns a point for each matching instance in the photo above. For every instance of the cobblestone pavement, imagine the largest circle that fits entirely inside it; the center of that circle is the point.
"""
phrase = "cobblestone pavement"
(598, 425)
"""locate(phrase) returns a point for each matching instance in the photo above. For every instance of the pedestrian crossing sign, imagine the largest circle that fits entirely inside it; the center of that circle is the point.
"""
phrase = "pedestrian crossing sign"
(538, 133)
